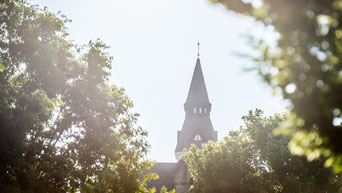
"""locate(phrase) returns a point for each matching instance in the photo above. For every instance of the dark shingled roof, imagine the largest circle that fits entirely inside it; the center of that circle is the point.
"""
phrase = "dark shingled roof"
(166, 172)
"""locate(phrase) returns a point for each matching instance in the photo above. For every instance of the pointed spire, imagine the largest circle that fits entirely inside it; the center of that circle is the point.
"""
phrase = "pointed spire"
(198, 91)
(197, 128)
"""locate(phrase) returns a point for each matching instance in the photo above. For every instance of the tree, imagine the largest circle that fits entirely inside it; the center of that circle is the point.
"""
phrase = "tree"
(306, 67)
(251, 159)
(293, 174)
(231, 165)
(64, 128)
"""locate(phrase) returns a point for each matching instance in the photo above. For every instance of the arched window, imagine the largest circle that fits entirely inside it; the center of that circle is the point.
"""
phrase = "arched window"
(195, 110)
(197, 138)
(200, 110)
(205, 110)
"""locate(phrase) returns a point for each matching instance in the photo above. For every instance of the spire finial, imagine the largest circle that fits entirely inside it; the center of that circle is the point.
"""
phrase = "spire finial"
(198, 44)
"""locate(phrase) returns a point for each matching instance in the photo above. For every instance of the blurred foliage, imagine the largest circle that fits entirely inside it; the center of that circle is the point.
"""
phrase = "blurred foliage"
(64, 128)
(306, 68)
(293, 174)
(252, 160)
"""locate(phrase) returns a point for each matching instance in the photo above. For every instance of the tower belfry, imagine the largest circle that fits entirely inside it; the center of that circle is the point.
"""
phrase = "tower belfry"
(197, 127)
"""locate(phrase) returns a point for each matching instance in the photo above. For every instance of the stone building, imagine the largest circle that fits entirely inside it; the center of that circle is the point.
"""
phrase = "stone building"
(197, 129)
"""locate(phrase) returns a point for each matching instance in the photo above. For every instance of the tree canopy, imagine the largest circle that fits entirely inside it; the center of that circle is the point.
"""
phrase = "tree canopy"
(293, 173)
(306, 68)
(251, 159)
(227, 166)
(64, 128)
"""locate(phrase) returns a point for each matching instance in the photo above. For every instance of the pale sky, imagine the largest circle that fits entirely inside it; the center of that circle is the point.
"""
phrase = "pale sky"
(153, 43)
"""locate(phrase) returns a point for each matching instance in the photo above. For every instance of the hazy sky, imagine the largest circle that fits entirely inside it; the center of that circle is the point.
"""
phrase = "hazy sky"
(153, 43)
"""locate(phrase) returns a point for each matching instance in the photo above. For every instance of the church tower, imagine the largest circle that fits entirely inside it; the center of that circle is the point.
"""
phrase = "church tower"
(197, 127)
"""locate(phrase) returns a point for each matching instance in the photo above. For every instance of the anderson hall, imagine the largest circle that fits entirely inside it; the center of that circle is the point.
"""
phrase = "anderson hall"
(197, 129)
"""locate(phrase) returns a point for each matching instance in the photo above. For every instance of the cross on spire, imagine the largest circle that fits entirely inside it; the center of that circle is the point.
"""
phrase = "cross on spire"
(198, 44)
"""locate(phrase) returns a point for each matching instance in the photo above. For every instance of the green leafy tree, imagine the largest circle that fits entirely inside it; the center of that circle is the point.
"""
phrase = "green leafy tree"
(251, 159)
(293, 174)
(306, 67)
(231, 165)
(64, 128)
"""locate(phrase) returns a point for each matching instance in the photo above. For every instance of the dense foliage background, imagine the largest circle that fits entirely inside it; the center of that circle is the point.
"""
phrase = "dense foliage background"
(251, 160)
(306, 68)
